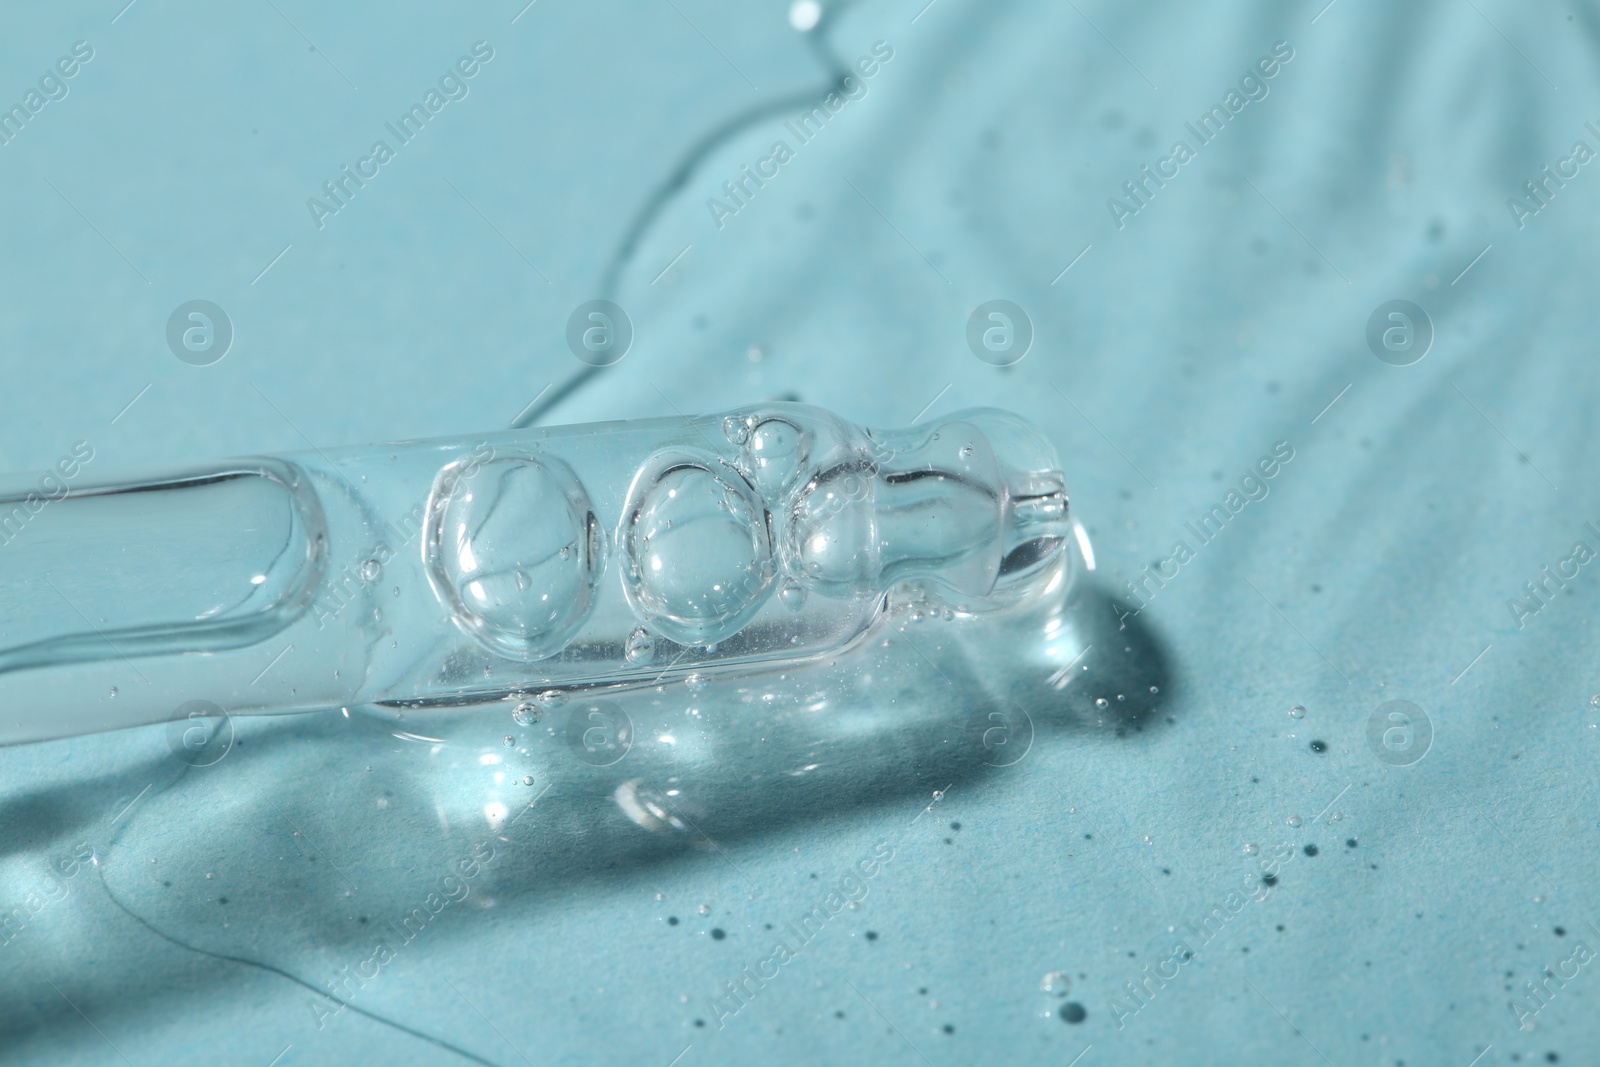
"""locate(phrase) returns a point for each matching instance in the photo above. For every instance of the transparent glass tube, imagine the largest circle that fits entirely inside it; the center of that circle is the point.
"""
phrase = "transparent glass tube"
(469, 570)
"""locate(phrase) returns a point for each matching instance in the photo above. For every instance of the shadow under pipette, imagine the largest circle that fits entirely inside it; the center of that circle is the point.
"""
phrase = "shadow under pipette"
(313, 876)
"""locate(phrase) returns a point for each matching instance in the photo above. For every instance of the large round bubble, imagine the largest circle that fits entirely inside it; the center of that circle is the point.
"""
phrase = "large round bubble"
(698, 548)
(514, 549)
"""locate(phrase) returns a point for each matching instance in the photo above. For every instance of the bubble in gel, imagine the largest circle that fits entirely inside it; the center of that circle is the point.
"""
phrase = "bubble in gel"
(525, 714)
(514, 548)
(698, 546)
(773, 453)
(641, 647)
(830, 531)
(792, 596)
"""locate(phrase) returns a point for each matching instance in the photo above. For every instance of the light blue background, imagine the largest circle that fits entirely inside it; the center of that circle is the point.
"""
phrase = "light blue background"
(1224, 318)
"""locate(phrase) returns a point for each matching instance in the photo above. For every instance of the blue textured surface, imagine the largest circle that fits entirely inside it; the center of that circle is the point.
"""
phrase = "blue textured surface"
(1222, 318)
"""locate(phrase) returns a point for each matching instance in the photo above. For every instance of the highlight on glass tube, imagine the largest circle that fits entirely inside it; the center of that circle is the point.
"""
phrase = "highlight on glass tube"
(465, 571)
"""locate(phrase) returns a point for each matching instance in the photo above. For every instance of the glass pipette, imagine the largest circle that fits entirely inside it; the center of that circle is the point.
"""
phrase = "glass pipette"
(470, 570)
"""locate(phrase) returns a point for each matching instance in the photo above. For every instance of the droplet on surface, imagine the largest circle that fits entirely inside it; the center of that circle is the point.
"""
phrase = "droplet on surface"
(1297, 712)
(1252, 849)
(1056, 983)
(1293, 820)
